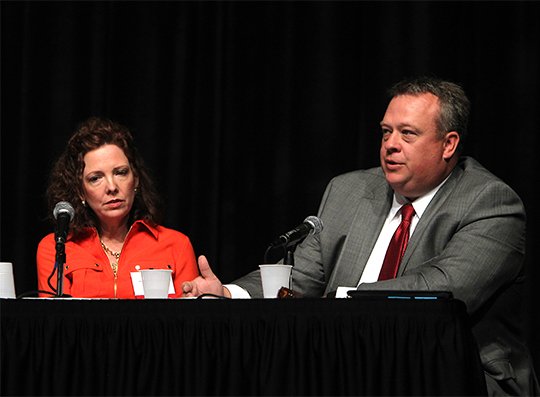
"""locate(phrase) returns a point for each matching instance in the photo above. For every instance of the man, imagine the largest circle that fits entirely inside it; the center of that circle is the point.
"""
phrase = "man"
(467, 232)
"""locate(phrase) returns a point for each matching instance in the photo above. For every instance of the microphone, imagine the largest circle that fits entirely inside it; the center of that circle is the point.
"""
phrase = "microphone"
(63, 213)
(311, 225)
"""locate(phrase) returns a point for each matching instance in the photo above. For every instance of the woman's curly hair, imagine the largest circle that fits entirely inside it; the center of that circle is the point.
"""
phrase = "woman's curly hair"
(65, 182)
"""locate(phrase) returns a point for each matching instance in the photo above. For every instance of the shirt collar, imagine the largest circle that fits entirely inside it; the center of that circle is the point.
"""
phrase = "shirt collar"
(144, 224)
(419, 205)
(139, 223)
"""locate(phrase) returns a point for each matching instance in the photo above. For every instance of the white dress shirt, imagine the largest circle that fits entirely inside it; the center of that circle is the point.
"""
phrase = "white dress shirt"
(393, 219)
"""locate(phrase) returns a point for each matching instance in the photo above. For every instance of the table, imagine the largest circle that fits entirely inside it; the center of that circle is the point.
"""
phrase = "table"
(237, 347)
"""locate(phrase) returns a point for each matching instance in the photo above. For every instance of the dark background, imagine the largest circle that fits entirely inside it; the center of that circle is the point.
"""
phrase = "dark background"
(245, 110)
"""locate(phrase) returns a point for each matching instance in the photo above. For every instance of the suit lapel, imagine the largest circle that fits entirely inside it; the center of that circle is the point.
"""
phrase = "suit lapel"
(359, 241)
(418, 241)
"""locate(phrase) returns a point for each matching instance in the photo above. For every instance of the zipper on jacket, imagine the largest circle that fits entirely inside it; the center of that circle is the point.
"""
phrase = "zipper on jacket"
(115, 269)
(115, 273)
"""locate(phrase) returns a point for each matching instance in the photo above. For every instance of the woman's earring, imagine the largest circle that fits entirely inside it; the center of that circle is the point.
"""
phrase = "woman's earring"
(83, 203)
(135, 190)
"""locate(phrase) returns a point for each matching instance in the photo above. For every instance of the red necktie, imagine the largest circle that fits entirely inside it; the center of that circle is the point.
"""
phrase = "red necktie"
(397, 245)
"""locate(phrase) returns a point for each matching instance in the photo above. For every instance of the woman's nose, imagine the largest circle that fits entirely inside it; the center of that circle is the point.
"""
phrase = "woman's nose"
(111, 186)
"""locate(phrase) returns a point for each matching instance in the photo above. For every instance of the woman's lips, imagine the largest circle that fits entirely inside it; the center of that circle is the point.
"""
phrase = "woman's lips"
(114, 203)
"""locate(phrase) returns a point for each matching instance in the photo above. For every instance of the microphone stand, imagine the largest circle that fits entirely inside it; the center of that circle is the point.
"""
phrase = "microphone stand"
(288, 259)
(59, 263)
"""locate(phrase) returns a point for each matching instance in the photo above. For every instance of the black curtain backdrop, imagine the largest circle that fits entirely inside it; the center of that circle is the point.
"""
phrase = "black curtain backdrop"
(245, 110)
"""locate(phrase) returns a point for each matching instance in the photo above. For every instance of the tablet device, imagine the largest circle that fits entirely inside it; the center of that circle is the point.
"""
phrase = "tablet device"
(384, 294)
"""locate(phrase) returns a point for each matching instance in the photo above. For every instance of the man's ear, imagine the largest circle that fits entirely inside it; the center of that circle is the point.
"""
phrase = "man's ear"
(451, 142)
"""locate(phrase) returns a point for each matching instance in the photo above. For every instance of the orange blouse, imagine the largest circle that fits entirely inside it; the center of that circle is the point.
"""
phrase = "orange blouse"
(88, 274)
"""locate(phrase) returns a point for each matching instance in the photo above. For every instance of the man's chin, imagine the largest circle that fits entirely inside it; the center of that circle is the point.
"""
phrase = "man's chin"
(395, 180)
(398, 185)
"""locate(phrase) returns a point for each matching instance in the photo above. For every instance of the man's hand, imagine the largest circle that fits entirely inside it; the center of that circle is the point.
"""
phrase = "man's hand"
(206, 283)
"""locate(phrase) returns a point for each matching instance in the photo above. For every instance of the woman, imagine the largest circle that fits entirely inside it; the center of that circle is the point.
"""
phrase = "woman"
(115, 230)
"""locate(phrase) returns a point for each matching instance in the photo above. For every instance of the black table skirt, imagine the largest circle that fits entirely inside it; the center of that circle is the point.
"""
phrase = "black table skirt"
(237, 347)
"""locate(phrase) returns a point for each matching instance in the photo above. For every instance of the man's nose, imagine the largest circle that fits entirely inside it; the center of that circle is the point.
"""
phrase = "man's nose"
(391, 142)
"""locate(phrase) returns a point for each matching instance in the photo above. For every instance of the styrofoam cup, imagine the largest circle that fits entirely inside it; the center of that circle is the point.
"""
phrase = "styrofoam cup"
(156, 283)
(273, 277)
(7, 282)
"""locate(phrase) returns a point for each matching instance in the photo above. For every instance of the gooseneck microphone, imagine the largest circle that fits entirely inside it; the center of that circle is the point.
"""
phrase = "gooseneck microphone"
(63, 213)
(311, 225)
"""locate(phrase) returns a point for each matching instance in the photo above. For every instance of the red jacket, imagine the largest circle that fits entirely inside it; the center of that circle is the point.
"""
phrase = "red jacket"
(88, 274)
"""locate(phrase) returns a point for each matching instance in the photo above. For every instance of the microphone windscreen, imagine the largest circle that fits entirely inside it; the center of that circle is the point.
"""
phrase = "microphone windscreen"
(65, 208)
(316, 223)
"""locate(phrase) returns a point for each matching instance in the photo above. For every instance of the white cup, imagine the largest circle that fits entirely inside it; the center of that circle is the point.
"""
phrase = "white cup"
(273, 277)
(156, 283)
(7, 283)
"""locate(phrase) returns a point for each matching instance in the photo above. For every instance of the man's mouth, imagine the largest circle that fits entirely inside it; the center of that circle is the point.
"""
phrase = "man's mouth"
(391, 164)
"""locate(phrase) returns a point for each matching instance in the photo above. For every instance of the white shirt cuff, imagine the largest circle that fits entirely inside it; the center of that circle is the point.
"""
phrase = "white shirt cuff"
(341, 292)
(237, 292)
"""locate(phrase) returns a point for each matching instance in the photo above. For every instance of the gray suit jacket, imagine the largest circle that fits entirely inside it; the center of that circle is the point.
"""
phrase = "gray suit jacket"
(470, 241)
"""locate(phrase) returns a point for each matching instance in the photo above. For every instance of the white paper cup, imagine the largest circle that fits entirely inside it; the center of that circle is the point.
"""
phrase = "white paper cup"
(273, 277)
(156, 283)
(7, 283)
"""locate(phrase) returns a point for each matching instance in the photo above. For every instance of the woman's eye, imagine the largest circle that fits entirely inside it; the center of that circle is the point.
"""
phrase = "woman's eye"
(123, 172)
(93, 179)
